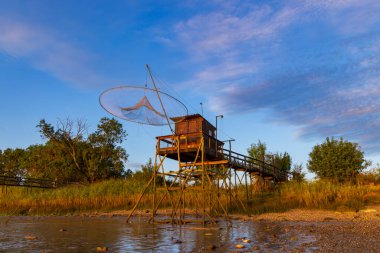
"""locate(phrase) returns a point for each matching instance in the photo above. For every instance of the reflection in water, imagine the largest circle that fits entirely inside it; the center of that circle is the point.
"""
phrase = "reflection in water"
(85, 234)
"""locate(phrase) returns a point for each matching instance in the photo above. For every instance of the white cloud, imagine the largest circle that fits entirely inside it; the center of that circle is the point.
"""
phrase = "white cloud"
(47, 51)
(311, 63)
(219, 31)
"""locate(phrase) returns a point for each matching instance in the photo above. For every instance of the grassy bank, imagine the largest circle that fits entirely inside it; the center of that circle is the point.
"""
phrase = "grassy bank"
(316, 195)
(123, 194)
(103, 196)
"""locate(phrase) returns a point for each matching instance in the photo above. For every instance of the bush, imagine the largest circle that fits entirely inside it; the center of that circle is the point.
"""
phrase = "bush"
(337, 159)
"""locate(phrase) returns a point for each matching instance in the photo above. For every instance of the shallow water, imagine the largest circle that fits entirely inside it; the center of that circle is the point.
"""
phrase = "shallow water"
(85, 234)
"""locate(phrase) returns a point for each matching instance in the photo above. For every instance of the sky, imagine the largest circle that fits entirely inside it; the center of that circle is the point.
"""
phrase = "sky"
(289, 73)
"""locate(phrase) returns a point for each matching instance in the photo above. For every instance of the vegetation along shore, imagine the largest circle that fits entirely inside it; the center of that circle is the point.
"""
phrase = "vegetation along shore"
(91, 175)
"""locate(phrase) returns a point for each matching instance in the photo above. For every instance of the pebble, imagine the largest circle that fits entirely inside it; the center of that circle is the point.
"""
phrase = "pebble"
(368, 210)
(239, 246)
(31, 237)
(211, 247)
(101, 249)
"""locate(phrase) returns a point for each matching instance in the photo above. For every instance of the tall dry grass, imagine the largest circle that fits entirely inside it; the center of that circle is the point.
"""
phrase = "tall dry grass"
(123, 194)
(319, 194)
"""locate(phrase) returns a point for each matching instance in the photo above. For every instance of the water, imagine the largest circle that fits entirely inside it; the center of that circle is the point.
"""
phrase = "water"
(85, 234)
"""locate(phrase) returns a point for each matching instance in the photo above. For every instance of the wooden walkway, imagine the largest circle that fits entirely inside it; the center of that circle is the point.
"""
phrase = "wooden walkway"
(190, 143)
(27, 182)
(248, 164)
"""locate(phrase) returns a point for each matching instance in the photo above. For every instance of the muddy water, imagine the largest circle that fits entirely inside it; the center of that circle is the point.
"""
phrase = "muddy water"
(85, 234)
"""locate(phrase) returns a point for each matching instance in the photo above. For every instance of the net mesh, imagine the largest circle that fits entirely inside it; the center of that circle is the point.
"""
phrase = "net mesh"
(141, 105)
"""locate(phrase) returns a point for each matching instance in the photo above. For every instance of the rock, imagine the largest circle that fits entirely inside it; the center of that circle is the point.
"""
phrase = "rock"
(370, 210)
(245, 240)
(211, 247)
(101, 249)
(62, 230)
(177, 241)
(256, 247)
(239, 246)
(31, 237)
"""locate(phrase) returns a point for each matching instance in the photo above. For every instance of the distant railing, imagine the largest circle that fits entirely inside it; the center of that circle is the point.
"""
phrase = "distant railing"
(251, 164)
(27, 182)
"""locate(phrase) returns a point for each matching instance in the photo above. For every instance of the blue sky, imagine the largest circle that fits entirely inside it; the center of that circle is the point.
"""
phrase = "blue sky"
(289, 73)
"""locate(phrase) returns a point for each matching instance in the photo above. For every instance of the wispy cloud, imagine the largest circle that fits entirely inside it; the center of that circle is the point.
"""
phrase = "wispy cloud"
(46, 50)
(314, 64)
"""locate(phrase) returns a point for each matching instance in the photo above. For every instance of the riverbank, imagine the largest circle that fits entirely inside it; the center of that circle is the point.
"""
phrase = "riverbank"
(86, 234)
(114, 195)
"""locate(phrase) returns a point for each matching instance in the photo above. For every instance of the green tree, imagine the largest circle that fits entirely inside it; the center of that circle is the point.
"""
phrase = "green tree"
(13, 162)
(283, 161)
(146, 172)
(71, 156)
(1, 163)
(258, 151)
(337, 159)
(297, 174)
(109, 133)
(105, 158)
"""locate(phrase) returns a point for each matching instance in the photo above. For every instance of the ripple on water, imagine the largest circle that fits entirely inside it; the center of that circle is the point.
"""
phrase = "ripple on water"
(84, 234)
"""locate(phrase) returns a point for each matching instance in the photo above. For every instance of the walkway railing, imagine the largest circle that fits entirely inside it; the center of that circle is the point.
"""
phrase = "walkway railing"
(253, 165)
(27, 182)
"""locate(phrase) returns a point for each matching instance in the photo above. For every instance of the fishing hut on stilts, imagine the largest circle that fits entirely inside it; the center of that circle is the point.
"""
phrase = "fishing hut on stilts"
(208, 180)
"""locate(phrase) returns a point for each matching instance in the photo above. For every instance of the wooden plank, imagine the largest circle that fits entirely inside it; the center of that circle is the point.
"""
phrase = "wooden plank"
(205, 163)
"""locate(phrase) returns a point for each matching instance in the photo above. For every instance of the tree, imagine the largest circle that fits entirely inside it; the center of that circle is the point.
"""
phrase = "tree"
(146, 172)
(71, 156)
(283, 161)
(109, 133)
(67, 139)
(13, 162)
(1, 163)
(258, 151)
(297, 174)
(337, 159)
(105, 151)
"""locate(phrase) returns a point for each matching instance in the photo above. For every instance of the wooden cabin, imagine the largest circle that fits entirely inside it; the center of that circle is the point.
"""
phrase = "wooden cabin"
(189, 131)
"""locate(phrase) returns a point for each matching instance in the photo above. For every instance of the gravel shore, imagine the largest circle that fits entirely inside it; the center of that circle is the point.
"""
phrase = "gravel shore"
(302, 230)
(329, 231)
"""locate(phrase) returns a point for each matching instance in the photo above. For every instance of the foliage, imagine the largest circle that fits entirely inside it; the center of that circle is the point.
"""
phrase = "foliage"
(337, 159)
(1, 163)
(258, 151)
(146, 172)
(370, 177)
(297, 174)
(122, 194)
(283, 161)
(69, 155)
(12, 162)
